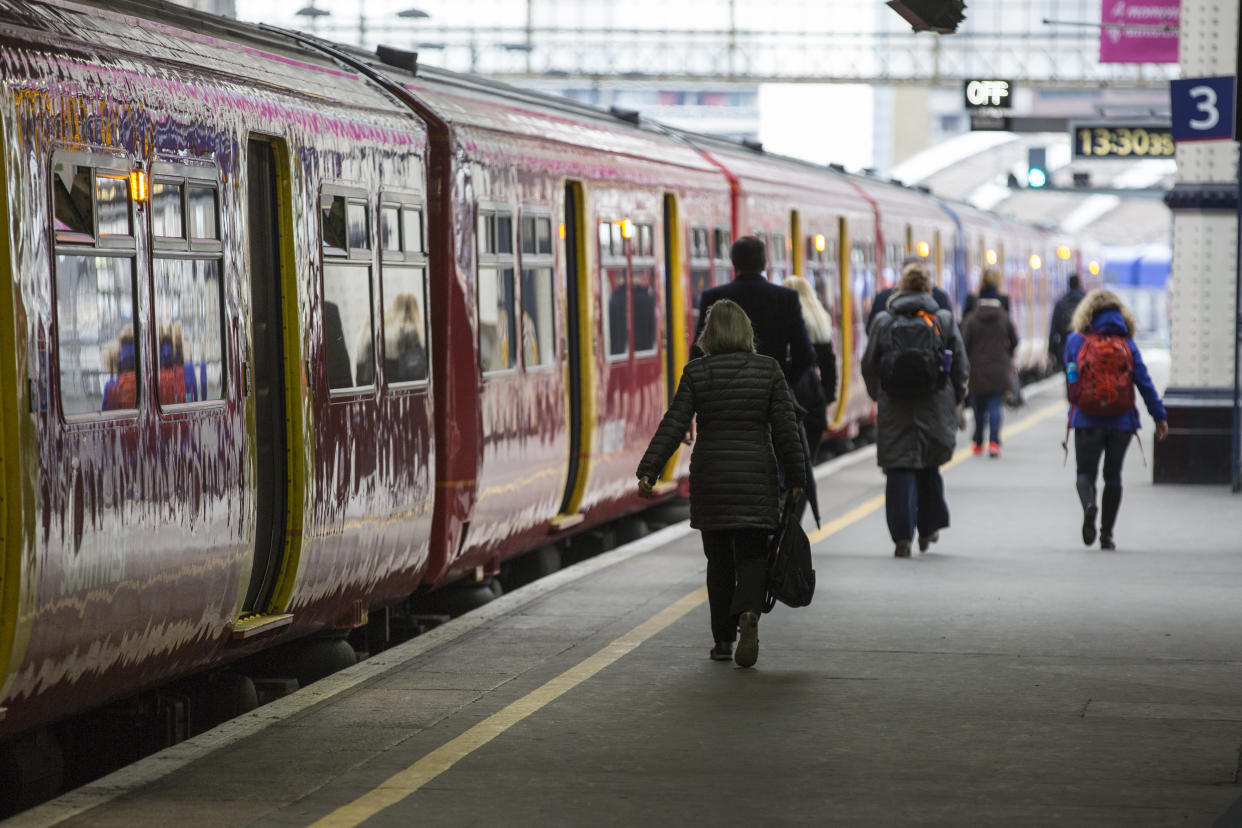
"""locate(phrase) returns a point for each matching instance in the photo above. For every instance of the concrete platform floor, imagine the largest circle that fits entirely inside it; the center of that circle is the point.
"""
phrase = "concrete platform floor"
(1009, 677)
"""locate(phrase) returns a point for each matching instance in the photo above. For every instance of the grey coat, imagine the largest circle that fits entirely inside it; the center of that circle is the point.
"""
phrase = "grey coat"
(745, 416)
(915, 434)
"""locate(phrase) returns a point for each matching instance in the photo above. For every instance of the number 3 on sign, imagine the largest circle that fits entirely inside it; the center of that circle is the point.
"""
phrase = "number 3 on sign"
(1205, 101)
(1203, 108)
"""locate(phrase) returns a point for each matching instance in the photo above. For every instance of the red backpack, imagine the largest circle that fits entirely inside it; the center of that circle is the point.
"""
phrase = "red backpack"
(1105, 386)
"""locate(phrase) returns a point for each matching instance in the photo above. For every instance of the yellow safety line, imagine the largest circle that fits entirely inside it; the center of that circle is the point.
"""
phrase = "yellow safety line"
(408, 781)
(867, 507)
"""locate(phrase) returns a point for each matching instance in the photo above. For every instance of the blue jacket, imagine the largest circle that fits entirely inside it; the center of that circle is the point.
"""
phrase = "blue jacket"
(1112, 322)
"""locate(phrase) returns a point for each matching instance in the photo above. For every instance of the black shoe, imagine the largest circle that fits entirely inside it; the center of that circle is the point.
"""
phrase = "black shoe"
(1106, 542)
(747, 652)
(1088, 524)
(926, 542)
(723, 651)
(902, 549)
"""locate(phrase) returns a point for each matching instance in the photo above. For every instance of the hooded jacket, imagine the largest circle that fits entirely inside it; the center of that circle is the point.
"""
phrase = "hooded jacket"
(745, 417)
(990, 342)
(915, 434)
(1102, 312)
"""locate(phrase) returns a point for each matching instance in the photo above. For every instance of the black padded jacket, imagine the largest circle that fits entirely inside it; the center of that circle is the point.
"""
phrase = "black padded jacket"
(744, 409)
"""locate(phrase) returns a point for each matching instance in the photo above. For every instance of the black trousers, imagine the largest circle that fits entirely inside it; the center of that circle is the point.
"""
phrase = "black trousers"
(1091, 443)
(914, 498)
(737, 571)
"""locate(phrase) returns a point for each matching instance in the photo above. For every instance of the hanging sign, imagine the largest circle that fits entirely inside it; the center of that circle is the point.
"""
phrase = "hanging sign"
(1142, 31)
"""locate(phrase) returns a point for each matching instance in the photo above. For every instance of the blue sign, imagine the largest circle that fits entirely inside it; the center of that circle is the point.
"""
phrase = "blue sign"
(1202, 108)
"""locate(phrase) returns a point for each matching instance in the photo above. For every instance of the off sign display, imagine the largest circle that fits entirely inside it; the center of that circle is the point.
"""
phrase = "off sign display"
(988, 94)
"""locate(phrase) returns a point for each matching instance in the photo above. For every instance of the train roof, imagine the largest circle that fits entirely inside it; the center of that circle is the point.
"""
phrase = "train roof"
(159, 32)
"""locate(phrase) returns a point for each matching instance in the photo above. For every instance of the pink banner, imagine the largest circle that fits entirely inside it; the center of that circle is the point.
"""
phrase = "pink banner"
(1139, 31)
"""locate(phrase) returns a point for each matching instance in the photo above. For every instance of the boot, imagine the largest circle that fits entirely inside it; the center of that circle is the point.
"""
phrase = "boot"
(1086, 493)
(1111, 502)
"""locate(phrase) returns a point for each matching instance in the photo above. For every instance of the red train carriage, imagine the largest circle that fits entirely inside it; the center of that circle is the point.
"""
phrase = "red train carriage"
(200, 427)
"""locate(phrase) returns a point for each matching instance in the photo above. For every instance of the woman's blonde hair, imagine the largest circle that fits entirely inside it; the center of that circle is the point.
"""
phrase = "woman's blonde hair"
(915, 278)
(727, 328)
(991, 278)
(818, 322)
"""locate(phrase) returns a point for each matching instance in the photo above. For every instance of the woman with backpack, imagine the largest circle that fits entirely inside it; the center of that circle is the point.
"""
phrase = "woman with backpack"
(745, 421)
(1102, 367)
(915, 368)
(990, 342)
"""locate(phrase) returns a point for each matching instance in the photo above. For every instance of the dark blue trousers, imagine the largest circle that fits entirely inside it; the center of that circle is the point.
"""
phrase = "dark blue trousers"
(914, 499)
(988, 407)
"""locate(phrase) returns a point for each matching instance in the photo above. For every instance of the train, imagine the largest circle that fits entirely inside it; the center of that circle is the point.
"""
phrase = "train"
(294, 331)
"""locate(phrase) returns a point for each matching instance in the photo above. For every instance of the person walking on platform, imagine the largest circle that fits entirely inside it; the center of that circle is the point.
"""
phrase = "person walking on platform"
(883, 297)
(1102, 368)
(915, 368)
(773, 310)
(1059, 328)
(745, 422)
(990, 340)
(815, 390)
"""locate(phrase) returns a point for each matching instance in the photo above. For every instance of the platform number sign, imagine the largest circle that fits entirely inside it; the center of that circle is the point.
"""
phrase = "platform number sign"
(1203, 108)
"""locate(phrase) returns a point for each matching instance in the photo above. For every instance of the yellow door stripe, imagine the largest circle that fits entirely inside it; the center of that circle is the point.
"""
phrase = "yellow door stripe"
(408, 781)
(867, 507)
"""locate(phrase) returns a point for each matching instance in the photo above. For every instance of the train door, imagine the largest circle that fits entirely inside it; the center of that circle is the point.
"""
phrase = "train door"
(579, 354)
(267, 370)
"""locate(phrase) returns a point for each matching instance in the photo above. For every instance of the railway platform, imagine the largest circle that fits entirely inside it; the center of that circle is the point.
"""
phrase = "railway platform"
(1010, 676)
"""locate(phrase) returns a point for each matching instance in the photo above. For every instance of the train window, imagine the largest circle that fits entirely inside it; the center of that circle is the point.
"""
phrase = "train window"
(189, 326)
(616, 332)
(497, 292)
(538, 347)
(112, 204)
(497, 326)
(538, 344)
(73, 203)
(166, 209)
(348, 338)
(412, 230)
(646, 245)
(721, 236)
(201, 212)
(356, 226)
(605, 238)
(96, 333)
(405, 324)
(332, 218)
(98, 342)
(390, 228)
(699, 248)
(642, 297)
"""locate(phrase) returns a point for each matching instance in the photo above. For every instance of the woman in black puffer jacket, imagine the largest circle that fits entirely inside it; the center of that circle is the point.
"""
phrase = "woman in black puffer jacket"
(743, 408)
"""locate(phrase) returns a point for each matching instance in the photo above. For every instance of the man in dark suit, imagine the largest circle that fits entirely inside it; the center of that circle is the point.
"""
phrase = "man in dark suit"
(881, 299)
(1062, 313)
(773, 310)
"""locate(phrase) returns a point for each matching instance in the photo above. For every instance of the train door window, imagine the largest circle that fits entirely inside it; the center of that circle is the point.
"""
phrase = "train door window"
(97, 333)
(778, 259)
(348, 318)
(642, 290)
(700, 270)
(538, 335)
(614, 270)
(403, 280)
(189, 297)
(497, 293)
(722, 264)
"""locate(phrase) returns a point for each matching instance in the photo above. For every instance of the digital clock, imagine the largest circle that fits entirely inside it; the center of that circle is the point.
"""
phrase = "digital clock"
(1113, 140)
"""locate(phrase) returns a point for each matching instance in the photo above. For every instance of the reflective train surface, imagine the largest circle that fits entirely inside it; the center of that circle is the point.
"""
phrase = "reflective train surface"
(293, 331)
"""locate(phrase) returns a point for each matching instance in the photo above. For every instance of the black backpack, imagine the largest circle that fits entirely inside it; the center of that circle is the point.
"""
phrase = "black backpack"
(910, 365)
(791, 579)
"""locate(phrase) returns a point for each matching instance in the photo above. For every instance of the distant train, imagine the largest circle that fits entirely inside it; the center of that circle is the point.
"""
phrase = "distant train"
(293, 331)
